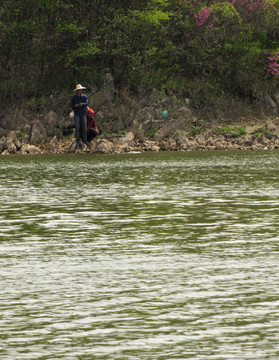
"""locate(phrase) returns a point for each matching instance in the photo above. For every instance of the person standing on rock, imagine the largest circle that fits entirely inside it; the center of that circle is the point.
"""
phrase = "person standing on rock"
(79, 104)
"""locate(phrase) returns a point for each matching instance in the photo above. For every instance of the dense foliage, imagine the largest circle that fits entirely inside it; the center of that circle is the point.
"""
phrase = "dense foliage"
(195, 48)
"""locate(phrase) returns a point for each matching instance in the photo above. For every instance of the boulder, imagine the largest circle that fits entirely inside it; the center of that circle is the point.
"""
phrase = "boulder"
(271, 127)
(38, 133)
(11, 148)
(155, 147)
(263, 140)
(183, 143)
(147, 145)
(208, 134)
(128, 137)
(51, 121)
(18, 138)
(271, 137)
(30, 149)
(185, 112)
(268, 101)
(259, 141)
(146, 113)
(172, 145)
(2, 144)
(12, 143)
(140, 136)
(246, 141)
(168, 127)
(103, 146)
(25, 139)
(200, 139)
(138, 132)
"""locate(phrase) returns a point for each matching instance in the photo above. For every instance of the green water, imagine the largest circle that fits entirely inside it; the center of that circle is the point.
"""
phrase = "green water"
(139, 256)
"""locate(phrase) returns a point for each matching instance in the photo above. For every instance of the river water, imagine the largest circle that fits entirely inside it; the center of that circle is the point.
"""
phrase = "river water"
(140, 256)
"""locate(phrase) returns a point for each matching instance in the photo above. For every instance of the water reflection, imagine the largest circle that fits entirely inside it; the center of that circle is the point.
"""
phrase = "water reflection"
(155, 256)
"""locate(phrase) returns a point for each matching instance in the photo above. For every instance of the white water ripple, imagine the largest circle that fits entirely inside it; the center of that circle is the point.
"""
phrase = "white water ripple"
(147, 256)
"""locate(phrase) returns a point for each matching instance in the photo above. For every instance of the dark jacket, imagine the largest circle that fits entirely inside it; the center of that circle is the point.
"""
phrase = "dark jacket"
(80, 99)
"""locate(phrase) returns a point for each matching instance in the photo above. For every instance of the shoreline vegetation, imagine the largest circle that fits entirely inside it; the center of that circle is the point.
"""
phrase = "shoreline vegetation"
(155, 122)
(160, 74)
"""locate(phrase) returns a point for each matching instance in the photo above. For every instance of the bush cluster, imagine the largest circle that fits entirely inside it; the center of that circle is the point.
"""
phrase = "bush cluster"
(202, 49)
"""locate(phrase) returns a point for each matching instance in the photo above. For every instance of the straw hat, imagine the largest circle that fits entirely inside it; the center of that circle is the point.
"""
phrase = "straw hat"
(79, 87)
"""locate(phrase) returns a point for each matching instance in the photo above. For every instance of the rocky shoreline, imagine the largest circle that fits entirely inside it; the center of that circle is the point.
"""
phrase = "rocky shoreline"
(153, 122)
(131, 143)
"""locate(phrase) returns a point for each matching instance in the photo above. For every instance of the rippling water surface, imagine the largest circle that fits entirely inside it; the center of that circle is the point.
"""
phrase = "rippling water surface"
(140, 256)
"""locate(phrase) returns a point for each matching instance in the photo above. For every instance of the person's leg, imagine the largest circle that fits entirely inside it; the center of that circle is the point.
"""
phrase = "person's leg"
(77, 127)
(90, 135)
(84, 128)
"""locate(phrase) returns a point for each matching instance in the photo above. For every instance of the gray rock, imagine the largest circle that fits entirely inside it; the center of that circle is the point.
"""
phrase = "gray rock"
(2, 144)
(168, 127)
(29, 149)
(12, 143)
(51, 121)
(11, 148)
(261, 139)
(103, 146)
(129, 137)
(185, 112)
(269, 103)
(271, 127)
(140, 136)
(183, 143)
(38, 133)
(271, 137)
(200, 139)
(147, 113)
